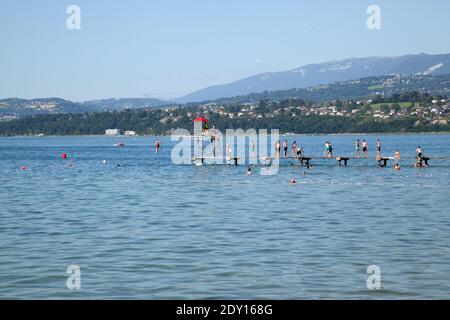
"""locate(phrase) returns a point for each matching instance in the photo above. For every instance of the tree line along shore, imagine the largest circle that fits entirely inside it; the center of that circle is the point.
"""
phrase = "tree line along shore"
(399, 113)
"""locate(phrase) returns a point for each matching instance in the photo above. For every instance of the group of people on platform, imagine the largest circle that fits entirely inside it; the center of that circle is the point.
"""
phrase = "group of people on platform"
(296, 150)
(361, 150)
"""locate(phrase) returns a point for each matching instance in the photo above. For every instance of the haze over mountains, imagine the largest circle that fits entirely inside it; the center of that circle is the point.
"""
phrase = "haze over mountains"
(325, 73)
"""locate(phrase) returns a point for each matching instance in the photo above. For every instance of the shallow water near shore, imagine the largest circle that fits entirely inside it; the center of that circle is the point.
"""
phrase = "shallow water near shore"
(149, 229)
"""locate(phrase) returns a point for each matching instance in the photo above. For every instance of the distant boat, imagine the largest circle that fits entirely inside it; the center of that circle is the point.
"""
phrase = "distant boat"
(119, 145)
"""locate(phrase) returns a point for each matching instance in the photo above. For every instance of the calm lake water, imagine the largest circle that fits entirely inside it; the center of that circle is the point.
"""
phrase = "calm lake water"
(149, 229)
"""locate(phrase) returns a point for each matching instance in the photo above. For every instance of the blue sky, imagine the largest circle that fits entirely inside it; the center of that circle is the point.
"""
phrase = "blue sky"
(170, 48)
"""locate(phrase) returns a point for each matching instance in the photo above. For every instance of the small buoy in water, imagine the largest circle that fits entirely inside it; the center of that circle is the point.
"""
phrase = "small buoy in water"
(104, 161)
(23, 168)
(64, 156)
(293, 181)
(118, 165)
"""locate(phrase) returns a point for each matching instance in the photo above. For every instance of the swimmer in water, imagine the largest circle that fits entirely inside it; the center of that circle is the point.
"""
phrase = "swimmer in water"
(249, 171)
(397, 167)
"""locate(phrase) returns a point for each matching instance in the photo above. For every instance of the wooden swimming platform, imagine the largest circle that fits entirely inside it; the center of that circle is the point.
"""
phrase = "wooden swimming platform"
(422, 161)
(227, 159)
(382, 161)
(306, 161)
(342, 159)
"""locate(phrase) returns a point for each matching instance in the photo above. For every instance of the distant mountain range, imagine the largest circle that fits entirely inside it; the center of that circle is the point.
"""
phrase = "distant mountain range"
(325, 73)
(15, 108)
(353, 89)
(316, 82)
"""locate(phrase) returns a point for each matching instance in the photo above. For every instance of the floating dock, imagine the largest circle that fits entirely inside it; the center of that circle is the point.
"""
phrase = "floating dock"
(306, 161)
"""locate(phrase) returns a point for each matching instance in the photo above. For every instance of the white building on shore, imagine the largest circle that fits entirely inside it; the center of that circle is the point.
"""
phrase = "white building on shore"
(112, 132)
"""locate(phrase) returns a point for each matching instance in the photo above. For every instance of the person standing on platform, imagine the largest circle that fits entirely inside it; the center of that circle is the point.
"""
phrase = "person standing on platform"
(357, 148)
(397, 157)
(378, 149)
(293, 148)
(285, 148)
(365, 147)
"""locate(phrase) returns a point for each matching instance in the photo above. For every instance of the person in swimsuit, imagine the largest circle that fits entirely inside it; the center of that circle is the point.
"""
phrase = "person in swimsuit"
(330, 149)
(299, 152)
(378, 149)
(357, 148)
(327, 149)
(365, 146)
(285, 148)
(397, 157)
(277, 149)
(293, 148)
(419, 152)
(157, 145)
(253, 148)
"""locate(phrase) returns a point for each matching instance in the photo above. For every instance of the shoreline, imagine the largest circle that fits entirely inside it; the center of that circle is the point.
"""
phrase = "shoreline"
(281, 135)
